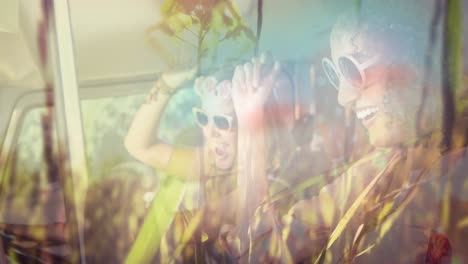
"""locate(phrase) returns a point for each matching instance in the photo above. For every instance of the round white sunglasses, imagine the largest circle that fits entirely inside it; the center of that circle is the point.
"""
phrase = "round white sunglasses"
(220, 121)
(349, 70)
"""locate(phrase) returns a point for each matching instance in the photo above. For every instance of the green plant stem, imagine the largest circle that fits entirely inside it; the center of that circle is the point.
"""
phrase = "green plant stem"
(452, 71)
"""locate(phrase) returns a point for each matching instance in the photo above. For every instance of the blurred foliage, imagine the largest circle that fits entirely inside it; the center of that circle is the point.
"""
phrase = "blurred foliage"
(106, 121)
(157, 222)
(452, 70)
(121, 192)
(454, 35)
(212, 29)
(115, 205)
(112, 225)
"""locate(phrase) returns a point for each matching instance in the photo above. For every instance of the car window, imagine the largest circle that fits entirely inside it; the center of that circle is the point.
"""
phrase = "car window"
(26, 182)
(121, 189)
(33, 214)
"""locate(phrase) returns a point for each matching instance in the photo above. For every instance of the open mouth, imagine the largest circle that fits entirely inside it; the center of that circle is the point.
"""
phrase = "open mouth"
(221, 151)
(367, 114)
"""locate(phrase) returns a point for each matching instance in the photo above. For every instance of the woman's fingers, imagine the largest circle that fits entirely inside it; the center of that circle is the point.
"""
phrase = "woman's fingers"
(256, 78)
(238, 80)
(275, 71)
(269, 82)
(179, 78)
(256, 72)
(249, 76)
(266, 58)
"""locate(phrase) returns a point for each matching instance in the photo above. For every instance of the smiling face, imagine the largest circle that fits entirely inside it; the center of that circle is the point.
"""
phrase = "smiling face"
(217, 120)
(386, 103)
(386, 110)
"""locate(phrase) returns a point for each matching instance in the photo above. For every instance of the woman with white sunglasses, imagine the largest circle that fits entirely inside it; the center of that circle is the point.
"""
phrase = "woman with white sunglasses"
(211, 164)
(404, 202)
(214, 163)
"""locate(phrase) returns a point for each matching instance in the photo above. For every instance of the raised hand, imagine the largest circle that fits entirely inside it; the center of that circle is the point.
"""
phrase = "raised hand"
(183, 71)
(251, 86)
(169, 83)
(177, 79)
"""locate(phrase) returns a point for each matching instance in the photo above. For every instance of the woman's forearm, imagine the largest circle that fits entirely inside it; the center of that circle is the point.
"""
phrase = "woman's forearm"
(252, 177)
(252, 173)
(144, 129)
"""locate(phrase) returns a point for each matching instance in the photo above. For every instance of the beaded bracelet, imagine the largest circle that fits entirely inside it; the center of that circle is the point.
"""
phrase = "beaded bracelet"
(159, 87)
